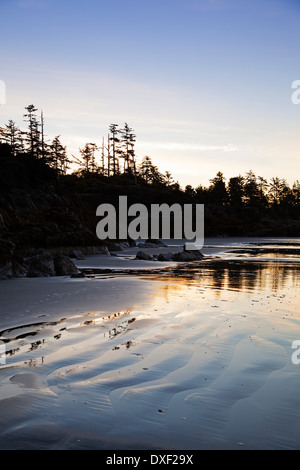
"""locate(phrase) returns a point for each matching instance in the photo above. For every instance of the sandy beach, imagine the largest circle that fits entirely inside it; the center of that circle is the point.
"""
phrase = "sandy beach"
(194, 357)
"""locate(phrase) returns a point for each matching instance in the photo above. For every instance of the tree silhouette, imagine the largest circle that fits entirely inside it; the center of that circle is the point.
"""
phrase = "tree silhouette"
(168, 178)
(251, 190)
(113, 129)
(86, 162)
(44, 151)
(93, 165)
(218, 190)
(236, 190)
(296, 193)
(128, 141)
(276, 188)
(149, 172)
(262, 186)
(58, 156)
(189, 191)
(273, 197)
(33, 138)
(13, 137)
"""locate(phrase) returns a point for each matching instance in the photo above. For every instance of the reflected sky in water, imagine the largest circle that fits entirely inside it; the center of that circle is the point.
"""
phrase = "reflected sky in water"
(204, 349)
(236, 275)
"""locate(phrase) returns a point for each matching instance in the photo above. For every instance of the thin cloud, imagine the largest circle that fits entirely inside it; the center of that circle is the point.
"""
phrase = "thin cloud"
(192, 147)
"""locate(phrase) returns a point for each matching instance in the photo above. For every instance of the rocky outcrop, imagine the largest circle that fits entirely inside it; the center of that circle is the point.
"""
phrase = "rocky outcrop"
(186, 255)
(119, 246)
(165, 257)
(77, 254)
(40, 265)
(144, 256)
(34, 263)
(64, 266)
(7, 252)
(44, 264)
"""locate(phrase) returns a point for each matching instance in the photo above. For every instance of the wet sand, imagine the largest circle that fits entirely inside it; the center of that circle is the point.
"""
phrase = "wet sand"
(183, 358)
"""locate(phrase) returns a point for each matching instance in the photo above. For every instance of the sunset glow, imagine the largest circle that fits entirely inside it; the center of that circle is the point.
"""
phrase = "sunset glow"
(204, 82)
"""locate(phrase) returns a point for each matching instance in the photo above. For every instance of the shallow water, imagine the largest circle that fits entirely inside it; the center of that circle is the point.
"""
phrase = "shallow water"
(199, 357)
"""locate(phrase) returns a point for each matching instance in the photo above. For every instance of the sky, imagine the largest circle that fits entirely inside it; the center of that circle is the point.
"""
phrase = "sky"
(205, 84)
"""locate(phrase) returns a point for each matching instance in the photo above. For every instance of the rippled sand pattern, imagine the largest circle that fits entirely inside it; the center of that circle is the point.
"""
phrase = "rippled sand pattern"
(203, 362)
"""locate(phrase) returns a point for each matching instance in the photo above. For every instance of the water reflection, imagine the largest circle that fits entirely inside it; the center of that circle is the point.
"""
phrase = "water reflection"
(240, 276)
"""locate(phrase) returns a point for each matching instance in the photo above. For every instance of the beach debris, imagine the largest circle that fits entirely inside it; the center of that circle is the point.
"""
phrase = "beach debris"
(88, 322)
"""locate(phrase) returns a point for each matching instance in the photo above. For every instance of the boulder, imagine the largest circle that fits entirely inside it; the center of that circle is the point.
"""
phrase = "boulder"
(102, 250)
(143, 255)
(64, 266)
(7, 251)
(41, 265)
(131, 242)
(114, 246)
(77, 254)
(165, 257)
(188, 255)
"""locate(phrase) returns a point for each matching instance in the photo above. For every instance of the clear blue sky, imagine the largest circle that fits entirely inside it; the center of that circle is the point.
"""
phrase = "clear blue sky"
(205, 84)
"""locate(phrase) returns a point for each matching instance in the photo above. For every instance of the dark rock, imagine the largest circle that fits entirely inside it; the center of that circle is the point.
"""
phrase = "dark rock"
(41, 265)
(156, 242)
(165, 257)
(78, 275)
(2, 223)
(143, 255)
(7, 251)
(114, 246)
(79, 237)
(64, 266)
(188, 255)
(131, 242)
(77, 254)
(102, 250)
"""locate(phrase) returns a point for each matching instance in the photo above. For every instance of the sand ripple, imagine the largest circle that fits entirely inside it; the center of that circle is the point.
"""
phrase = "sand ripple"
(191, 367)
